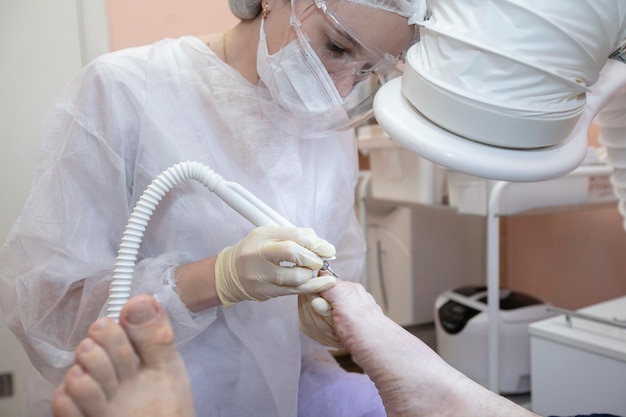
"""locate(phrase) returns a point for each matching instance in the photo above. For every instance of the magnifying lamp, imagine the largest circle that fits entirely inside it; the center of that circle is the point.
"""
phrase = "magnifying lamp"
(465, 99)
(507, 90)
(415, 132)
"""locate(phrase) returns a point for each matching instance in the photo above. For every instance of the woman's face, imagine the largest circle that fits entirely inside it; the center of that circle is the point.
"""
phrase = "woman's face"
(351, 40)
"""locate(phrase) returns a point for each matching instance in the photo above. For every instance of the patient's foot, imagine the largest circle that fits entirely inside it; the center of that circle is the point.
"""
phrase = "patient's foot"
(411, 378)
(130, 369)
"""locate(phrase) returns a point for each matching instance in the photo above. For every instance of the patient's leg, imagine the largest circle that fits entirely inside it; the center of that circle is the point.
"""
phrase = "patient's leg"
(411, 378)
(127, 369)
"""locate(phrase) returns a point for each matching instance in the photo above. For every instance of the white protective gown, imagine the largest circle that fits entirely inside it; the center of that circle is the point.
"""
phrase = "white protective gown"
(123, 120)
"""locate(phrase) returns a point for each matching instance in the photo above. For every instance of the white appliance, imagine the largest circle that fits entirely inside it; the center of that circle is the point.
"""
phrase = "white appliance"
(470, 94)
(461, 328)
(579, 365)
(480, 82)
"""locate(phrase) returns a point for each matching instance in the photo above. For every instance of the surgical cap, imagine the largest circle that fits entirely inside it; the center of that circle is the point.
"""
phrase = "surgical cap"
(415, 10)
(245, 9)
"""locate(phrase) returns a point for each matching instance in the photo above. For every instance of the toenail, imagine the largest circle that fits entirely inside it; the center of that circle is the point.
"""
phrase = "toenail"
(100, 324)
(77, 371)
(141, 311)
(86, 345)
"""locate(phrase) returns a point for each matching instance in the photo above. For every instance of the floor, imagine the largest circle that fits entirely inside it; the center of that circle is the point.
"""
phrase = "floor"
(426, 332)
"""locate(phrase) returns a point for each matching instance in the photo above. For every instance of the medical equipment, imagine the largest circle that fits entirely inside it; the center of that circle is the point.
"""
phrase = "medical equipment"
(326, 267)
(461, 323)
(507, 89)
(482, 88)
(233, 194)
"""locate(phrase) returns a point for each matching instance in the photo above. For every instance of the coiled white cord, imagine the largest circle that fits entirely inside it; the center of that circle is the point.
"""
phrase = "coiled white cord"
(231, 193)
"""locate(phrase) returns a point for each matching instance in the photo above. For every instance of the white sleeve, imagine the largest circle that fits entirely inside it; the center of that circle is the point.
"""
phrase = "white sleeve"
(56, 265)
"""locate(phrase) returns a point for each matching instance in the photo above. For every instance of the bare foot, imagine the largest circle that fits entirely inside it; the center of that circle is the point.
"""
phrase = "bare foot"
(411, 378)
(130, 369)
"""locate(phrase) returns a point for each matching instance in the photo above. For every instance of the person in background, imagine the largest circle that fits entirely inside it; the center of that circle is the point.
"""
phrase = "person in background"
(270, 104)
(411, 378)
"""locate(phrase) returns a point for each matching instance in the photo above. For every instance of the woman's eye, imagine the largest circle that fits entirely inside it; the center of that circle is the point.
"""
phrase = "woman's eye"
(336, 49)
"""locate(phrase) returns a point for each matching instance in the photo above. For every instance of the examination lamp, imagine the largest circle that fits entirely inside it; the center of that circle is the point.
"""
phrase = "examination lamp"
(507, 89)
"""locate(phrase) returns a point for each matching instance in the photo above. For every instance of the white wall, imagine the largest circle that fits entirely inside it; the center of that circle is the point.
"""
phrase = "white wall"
(43, 43)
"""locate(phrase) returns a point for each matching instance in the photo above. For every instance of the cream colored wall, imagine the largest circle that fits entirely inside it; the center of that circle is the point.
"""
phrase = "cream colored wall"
(572, 258)
(138, 22)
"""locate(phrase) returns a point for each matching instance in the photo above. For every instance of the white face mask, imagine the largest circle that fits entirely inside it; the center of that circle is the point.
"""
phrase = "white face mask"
(295, 76)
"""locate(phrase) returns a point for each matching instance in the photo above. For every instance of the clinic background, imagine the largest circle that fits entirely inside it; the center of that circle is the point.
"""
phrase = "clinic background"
(573, 258)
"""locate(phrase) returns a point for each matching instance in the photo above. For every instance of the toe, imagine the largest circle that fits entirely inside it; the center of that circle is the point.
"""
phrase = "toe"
(95, 361)
(84, 392)
(63, 405)
(149, 330)
(112, 339)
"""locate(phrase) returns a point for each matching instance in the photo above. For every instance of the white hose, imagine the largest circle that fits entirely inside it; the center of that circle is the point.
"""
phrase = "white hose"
(231, 193)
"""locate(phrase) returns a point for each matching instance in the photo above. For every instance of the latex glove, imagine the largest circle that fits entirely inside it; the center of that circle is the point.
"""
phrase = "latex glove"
(315, 320)
(252, 270)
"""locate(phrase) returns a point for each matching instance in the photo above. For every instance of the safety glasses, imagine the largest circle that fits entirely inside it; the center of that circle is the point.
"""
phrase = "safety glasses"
(353, 55)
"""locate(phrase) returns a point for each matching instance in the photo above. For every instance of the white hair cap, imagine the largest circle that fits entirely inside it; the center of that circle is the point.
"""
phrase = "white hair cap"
(245, 9)
(415, 10)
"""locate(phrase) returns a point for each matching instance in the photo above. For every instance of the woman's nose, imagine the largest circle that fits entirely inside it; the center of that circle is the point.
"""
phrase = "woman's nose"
(345, 85)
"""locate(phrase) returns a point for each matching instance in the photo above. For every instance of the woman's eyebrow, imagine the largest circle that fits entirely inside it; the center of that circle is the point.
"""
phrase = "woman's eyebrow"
(348, 37)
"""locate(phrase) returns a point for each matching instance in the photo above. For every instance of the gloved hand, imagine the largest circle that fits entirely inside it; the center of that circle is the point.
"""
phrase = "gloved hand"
(315, 320)
(252, 270)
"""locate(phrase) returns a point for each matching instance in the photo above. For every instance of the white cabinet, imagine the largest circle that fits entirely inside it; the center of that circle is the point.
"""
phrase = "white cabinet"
(580, 367)
(416, 252)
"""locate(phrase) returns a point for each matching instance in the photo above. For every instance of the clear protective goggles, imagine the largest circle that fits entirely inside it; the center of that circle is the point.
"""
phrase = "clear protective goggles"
(356, 66)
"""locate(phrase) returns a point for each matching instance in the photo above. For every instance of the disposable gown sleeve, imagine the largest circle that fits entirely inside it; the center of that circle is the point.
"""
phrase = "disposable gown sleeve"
(56, 265)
